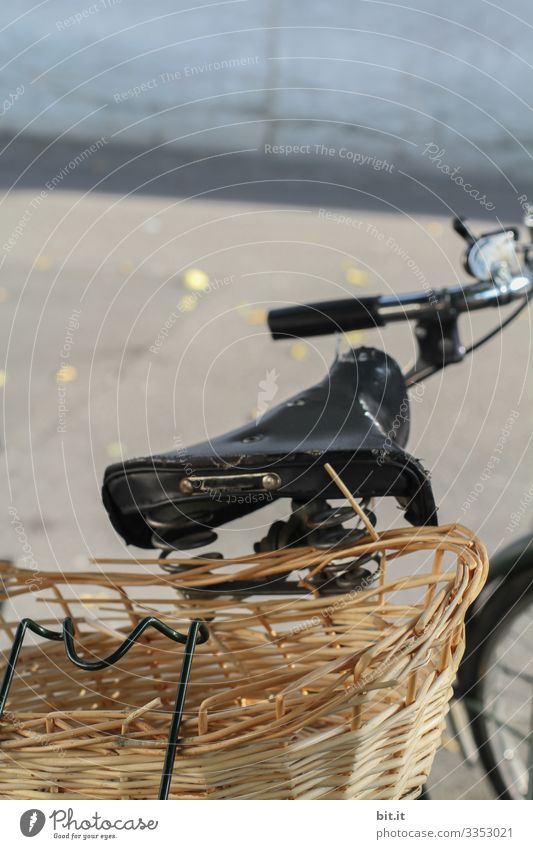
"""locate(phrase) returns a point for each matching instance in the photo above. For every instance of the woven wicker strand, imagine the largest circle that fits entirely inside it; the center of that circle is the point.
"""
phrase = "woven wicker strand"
(298, 697)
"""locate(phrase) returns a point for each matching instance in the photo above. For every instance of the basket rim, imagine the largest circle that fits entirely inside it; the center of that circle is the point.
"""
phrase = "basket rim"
(454, 537)
(443, 615)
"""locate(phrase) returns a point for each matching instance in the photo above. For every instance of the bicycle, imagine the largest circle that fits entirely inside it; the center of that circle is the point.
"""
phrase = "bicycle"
(339, 659)
(174, 502)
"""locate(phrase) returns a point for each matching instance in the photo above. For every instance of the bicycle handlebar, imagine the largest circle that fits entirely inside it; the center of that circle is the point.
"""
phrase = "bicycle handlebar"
(348, 314)
(325, 317)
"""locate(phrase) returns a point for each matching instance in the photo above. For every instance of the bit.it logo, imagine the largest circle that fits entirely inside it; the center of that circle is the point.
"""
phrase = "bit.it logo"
(32, 822)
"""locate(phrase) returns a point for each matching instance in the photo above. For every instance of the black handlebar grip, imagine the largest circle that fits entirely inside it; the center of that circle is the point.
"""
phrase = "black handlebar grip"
(325, 317)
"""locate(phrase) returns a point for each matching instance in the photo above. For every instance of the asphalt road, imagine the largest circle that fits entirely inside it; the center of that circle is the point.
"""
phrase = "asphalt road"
(111, 347)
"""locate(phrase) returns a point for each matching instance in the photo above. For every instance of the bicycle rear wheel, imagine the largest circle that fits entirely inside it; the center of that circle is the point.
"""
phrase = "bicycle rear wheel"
(500, 698)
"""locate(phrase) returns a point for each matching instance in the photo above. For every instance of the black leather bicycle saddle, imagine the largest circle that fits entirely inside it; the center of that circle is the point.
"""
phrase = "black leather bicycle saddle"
(356, 418)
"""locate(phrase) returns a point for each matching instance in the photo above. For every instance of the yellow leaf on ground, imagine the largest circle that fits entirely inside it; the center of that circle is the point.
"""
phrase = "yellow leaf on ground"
(435, 228)
(299, 351)
(66, 374)
(356, 276)
(116, 450)
(196, 280)
(42, 263)
(355, 337)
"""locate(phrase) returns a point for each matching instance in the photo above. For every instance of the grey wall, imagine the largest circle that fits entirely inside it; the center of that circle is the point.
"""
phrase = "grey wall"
(372, 77)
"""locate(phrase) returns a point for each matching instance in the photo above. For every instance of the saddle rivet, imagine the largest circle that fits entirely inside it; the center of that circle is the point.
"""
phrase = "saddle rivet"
(271, 481)
(186, 487)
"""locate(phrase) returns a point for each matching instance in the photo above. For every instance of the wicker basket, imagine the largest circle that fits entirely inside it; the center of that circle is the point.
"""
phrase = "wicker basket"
(299, 697)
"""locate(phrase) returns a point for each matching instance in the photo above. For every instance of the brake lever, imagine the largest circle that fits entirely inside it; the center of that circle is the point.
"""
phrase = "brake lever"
(461, 228)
